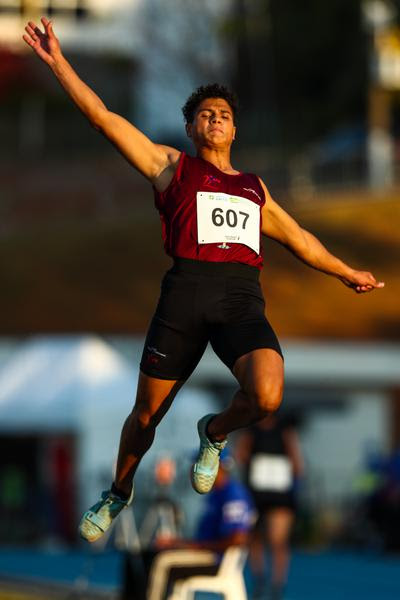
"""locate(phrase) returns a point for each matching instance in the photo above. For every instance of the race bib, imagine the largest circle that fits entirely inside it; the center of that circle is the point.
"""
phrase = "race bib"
(270, 473)
(226, 219)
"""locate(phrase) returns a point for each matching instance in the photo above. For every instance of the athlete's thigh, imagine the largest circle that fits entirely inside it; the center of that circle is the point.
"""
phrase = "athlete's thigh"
(243, 326)
(260, 376)
(233, 341)
(176, 339)
(171, 354)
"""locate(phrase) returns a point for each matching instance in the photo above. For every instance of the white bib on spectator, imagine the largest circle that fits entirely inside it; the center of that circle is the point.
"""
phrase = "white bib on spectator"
(270, 473)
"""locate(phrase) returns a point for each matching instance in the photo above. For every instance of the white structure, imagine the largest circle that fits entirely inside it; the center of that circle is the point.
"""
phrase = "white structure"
(83, 385)
(69, 385)
(80, 385)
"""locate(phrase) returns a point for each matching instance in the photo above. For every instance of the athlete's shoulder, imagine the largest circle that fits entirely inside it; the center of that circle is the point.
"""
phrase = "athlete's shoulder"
(172, 155)
(174, 159)
(264, 188)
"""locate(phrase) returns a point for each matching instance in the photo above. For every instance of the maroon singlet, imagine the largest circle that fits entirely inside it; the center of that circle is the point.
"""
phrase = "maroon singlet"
(177, 208)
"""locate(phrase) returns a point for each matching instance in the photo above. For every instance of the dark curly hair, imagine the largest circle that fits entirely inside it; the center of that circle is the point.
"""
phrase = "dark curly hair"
(212, 90)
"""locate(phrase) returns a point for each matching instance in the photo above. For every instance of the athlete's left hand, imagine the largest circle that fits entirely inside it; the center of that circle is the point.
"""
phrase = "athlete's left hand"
(361, 282)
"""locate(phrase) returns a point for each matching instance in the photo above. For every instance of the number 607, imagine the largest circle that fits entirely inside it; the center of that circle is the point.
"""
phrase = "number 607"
(231, 217)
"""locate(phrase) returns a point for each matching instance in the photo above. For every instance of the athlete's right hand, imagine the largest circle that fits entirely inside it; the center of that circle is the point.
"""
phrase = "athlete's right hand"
(45, 44)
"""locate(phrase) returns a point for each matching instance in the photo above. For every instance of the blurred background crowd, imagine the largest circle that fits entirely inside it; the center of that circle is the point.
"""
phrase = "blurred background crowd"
(81, 259)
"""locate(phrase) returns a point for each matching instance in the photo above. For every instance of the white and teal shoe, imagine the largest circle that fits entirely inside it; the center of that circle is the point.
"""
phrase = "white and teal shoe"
(205, 469)
(99, 517)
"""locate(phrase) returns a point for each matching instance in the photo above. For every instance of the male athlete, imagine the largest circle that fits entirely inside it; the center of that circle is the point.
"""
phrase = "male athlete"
(212, 219)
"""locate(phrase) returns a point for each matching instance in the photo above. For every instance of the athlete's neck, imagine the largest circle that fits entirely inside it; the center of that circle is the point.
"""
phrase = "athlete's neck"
(219, 158)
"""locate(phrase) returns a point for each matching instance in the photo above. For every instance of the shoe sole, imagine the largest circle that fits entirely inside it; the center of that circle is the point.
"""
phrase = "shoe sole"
(90, 536)
(205, 487)
(87, 535)
(202, 485)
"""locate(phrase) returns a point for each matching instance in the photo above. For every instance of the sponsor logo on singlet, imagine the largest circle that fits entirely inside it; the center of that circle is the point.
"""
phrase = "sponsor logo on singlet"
(253, 191)
(211, 181)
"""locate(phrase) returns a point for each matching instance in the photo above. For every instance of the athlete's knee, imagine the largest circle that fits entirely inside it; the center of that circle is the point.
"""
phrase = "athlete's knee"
(144, 419)
(267, 397)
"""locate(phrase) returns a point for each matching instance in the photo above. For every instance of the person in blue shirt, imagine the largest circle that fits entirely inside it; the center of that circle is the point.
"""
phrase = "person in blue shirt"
(229, 512)
(226, 521)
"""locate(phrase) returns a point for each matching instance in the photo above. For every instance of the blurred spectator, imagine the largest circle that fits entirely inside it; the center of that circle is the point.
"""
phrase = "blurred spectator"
(229, 512)
(161, 524)
(164, 518)
(271, 454)
(225, 522)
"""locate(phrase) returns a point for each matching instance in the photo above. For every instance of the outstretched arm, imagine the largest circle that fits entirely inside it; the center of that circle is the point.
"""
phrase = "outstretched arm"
(280, 226)
(156, 162)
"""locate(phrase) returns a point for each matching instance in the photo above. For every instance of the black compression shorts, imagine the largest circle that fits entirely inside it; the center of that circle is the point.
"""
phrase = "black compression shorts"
(201, 302)
(265, 501)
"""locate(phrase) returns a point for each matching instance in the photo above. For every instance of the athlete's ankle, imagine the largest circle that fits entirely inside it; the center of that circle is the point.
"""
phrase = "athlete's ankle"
(213, 437)
(120, 493)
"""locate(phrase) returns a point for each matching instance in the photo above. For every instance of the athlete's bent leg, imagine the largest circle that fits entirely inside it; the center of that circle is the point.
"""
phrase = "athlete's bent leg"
(260, 376)
(154, 398)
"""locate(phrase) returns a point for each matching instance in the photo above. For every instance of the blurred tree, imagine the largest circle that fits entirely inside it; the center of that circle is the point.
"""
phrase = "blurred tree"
(301, 68)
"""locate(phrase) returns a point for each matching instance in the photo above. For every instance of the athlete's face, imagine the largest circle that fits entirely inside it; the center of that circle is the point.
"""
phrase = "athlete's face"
(212, 124)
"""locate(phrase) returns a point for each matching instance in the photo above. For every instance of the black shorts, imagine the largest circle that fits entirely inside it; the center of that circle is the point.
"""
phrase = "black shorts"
(201, 302)
(266, 501)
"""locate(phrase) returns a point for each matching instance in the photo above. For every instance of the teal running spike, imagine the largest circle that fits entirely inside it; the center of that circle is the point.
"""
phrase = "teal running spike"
(205, 469)
(99, 517)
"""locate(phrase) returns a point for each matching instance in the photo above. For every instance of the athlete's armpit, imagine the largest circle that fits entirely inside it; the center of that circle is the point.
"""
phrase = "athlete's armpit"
(164, 178)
